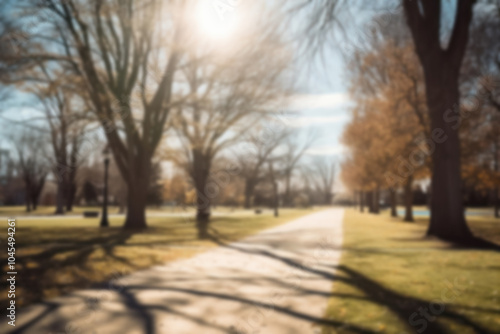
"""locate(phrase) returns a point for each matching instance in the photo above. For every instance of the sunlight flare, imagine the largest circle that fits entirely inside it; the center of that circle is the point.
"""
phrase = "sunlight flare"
(217, 20)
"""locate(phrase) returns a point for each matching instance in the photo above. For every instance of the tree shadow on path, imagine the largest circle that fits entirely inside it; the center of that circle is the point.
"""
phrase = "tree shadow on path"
(402, 306)
(147, 314)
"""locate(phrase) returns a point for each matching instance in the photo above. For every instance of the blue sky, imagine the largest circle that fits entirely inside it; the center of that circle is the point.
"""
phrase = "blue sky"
(324, 106)
(322, 102)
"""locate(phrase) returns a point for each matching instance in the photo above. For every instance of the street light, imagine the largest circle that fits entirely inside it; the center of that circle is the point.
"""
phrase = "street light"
(104, 217)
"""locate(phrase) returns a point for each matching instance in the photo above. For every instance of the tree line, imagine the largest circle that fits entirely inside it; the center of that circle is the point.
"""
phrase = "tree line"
(132, 75)
(426, 107)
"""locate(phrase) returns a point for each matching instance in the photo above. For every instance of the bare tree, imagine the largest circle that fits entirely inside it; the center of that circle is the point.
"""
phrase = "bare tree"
(127, 63)
(260, 147)
(63, 113)
(32, 166)
(325, 171)
(226, 97)
(290, 159)
(274, 182)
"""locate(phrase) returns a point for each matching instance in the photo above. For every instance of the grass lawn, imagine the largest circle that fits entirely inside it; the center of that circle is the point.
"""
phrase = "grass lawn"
(13, 211)
(57, 256)
(17, 210)
(392, 280)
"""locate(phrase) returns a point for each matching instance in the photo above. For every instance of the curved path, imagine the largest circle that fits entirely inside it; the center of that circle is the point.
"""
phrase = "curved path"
(277, 281)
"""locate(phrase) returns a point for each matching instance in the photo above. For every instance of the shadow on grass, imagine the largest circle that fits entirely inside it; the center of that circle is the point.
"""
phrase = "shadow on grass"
(476, 243)
(62, 260)
(401, 306)
(40, 270)
(406, 308)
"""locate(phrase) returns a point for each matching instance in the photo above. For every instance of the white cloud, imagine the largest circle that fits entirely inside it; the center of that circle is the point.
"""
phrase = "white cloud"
(304, 121)
(318, 101)
(326, 150)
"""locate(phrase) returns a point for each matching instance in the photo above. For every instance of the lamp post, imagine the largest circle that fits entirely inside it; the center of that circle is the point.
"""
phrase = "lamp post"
(104, 216)
(275, 188)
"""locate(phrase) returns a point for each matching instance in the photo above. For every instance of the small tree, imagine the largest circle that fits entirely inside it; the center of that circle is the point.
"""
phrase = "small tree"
(89, 193)
(289, 160)
(325, 171)
(63, 114)
(260, 147)
(32, 166)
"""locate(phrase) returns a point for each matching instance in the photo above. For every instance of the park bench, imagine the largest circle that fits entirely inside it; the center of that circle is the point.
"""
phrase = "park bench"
(90, 214)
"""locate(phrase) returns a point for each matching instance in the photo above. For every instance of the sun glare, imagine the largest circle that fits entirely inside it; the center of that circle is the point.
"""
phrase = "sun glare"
(217, 19)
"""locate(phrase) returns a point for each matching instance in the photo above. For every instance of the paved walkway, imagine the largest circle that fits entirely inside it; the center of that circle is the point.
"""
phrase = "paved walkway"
(278, 281)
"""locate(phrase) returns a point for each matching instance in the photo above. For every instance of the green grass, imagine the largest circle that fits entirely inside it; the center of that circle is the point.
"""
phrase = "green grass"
(57, 256)
(13, 211)
(17, 210)
(389, 271)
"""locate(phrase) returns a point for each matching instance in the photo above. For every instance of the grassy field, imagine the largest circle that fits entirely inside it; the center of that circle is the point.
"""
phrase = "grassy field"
(57, 256)
(393, 280)
(18, 211)
(423, 211)
(13, 211)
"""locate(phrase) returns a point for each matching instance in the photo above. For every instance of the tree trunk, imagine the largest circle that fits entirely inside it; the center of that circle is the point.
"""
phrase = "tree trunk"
(202, 215)
(441, 71)
(249, 189)
(287, 201)
(394, 210)
(70, 197)
(275, 189)
(409, 200)
(496, 202)
(369, 201)
(34, 202)
(60, 198)
(376, 201)
(28, 198)
(362, 201)
(35, 195)
(447, 209)
(75, 148)
(201, 172)
(135, 219)
(276, 199)
(137, 189)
